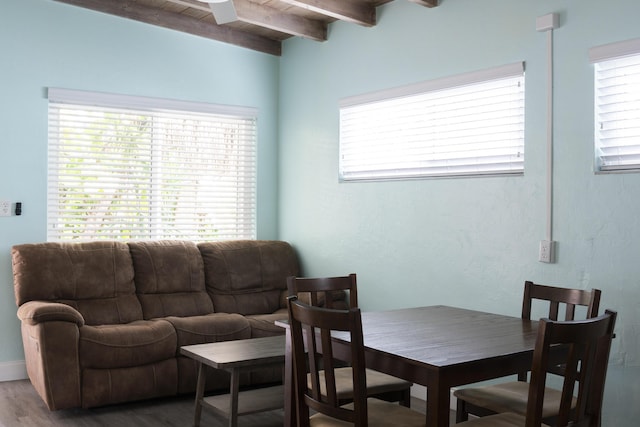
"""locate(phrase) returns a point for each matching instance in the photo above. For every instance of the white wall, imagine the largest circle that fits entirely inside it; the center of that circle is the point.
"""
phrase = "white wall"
(468, 242)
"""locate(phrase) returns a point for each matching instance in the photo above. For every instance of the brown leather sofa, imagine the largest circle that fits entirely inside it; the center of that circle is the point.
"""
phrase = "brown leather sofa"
(103, 322)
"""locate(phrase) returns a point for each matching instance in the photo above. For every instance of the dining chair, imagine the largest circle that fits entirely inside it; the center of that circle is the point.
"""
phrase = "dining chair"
(512, 396)
(312, 347)
(587, 344)
(321, 289)
(380, 385)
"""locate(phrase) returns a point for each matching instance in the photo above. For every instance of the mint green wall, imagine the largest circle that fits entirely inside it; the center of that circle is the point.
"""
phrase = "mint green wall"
(466, 242)
(49, 44)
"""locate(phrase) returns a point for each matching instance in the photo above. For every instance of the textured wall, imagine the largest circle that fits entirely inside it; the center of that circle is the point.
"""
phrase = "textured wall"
(468, 242)
(49, 44)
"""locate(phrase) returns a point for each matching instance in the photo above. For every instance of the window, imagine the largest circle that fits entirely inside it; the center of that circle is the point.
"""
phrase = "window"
(617, 106)
(135, 168)
(471, 124)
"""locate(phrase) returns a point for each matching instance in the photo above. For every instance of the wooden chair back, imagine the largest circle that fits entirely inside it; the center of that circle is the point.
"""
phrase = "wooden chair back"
(588, 343)
(320, 287)
(557, 296)
(483, 401)
(312, 350)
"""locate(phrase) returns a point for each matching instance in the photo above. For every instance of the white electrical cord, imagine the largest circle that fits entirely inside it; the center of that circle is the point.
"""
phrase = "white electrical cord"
(549, 236)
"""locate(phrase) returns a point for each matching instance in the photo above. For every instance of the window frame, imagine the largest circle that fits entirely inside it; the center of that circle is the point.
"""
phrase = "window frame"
(612, 52)
(197, 123)
(408, 93)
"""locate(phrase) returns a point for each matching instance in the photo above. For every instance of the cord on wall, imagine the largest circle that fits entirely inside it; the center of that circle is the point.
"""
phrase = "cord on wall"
(548, 23)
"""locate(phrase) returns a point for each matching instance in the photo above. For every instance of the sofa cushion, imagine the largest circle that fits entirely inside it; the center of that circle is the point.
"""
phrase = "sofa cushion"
(210, 328)
(169, 279)
(263, 325)
(122, 346)
(108, 386)
(96, 278)
(247, 276)
(339, 299)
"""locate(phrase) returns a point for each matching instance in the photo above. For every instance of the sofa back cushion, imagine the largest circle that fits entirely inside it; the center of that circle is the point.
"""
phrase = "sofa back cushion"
(247, 276)
(169, 278)
(96, 278)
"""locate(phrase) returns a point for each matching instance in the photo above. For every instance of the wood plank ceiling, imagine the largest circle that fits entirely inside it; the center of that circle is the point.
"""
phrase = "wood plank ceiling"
(260, 25)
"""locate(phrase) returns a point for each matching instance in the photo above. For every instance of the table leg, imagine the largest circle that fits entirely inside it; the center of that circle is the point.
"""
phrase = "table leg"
(199, 393)
(235, 389)
(289, 390)
(438, 401)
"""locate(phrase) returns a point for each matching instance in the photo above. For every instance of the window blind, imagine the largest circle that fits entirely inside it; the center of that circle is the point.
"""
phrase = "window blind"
(617, 105)
(471, 124)
(138, 168)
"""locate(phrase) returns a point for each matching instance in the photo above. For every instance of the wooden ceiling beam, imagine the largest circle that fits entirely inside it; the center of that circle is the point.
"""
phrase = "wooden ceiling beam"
(357, 13)
(268, 17)
(253, 16)
(131, 9)
(195, 4)
(427, 3)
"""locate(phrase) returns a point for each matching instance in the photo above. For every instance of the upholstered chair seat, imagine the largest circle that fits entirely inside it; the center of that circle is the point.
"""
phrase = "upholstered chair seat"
(378, 383)
(512, 397)
(379, 415)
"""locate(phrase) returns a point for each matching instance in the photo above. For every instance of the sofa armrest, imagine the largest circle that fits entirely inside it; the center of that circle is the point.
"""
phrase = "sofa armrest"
(34, 312)
(50, 337)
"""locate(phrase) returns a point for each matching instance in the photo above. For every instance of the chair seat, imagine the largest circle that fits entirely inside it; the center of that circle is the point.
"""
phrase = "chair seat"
(377, 383)
(507, 419)
(510, 397)
(380, 414)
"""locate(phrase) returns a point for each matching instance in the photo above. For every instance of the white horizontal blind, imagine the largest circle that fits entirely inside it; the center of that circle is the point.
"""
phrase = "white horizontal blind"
(471, 124)
(149, 173)
(617, 106)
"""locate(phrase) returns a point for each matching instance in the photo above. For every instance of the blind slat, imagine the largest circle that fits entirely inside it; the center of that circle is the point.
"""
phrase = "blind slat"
(467, 127)
(617, 111)
(119, 171)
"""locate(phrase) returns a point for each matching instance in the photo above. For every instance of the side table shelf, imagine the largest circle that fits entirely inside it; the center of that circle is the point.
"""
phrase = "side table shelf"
(249, 401)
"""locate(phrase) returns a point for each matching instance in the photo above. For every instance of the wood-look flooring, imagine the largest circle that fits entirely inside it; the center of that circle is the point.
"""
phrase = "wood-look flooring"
(20, 406)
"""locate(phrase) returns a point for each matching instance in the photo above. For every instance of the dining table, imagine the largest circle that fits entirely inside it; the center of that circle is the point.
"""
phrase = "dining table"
(439, 347)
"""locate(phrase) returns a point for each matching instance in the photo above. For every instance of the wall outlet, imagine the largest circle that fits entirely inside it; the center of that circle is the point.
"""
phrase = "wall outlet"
(5, 208)
(547, 251)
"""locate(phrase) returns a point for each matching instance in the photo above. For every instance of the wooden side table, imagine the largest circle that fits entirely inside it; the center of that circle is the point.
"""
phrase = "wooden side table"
(235, 357)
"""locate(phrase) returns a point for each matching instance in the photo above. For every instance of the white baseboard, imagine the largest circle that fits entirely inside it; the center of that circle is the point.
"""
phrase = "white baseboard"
(420, 392)
(12, 371)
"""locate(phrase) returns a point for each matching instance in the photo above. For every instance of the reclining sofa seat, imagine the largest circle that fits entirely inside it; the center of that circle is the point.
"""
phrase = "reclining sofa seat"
(170, 285)
(86, 342)
(103, 322)
(250, 278)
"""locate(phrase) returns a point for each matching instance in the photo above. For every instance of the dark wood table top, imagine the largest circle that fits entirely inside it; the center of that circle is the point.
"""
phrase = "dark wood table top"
(443, 336)
(441, 347)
